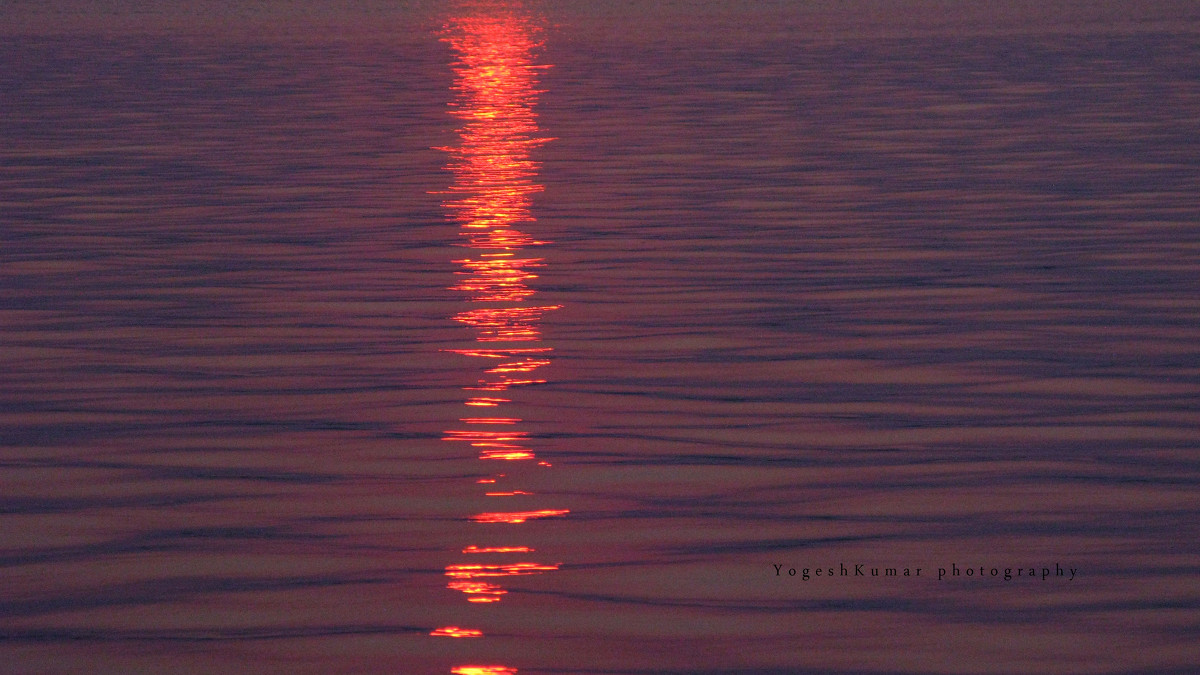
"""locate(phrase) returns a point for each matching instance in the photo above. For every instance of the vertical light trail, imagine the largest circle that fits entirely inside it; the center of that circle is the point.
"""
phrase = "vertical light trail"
(495, 177)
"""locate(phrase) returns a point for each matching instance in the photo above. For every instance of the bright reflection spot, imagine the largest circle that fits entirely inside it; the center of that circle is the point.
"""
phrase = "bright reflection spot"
(498, 353)
(494, 444)
(483, 670)
(483, 401)
(498, 549)
(497, 279)
(480, 438)
(456, 632)
(502, 385)
(519, 366)
(470, 571)
(518, 516)
(466, 578)
(505, 324)
(478, 591)
(506, 455)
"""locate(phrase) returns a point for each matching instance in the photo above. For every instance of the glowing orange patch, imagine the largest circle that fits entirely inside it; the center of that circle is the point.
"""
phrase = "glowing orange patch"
(478, 591)
(485, 402)
(465, 578)
(474, 437)
(498, 549)
(483, 670)
(519, 366)
(499, 353)
(507, 455)
(456, 632)
(518, 517)
(470, 571)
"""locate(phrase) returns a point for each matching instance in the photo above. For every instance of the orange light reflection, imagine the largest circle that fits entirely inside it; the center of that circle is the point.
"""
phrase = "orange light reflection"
(470, 571)
(493, 444)
(507, 455)
(484, 402)
(492, 436)
(465, 578)
(478, 591)
(523, 366)
(505, 324)
(483, 670)
(498, 353)
(517, 517)
(498, 549)
(456, 632)
(503, 385)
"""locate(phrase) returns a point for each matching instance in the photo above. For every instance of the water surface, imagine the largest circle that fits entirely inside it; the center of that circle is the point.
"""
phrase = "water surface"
(534, 338)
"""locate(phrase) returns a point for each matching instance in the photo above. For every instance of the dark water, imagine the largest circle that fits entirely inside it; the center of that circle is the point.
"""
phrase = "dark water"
(321, 342)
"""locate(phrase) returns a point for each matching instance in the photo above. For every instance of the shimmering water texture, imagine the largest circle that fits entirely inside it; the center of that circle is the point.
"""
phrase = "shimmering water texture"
(364, 340)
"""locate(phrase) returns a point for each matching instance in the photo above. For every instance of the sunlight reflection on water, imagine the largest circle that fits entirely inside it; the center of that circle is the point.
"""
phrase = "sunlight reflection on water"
(495, 177)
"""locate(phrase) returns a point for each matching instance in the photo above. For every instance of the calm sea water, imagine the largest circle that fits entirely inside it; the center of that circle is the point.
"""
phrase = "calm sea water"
(491, 339)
